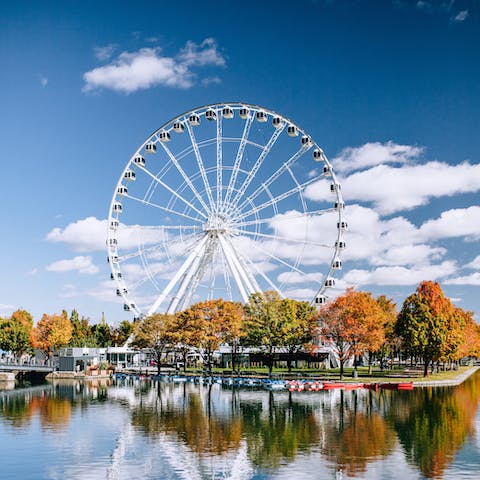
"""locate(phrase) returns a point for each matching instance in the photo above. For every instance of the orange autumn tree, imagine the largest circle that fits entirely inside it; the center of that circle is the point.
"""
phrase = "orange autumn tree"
(214, 322)
(51, 333)
(353, 324)
(470, 345)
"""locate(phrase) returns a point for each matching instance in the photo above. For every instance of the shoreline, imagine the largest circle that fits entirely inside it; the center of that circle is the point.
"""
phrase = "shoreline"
(447, 383)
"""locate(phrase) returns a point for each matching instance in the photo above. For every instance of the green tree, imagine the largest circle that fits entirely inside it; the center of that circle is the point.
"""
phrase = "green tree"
(82, 335)
(265, 324)
(121, 333)
(155, 334)
(102, 333)
(423, 323)
(299, 327)
(14, 337)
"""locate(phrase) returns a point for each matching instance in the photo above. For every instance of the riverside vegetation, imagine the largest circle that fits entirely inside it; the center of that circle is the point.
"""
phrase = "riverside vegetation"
(428, 329)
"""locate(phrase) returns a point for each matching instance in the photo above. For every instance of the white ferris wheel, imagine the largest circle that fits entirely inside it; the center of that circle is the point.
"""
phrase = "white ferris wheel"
(223, 201)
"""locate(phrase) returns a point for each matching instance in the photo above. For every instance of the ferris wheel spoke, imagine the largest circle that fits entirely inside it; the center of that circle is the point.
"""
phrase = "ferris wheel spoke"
(274, 176)
(265, 277)
(185, 177)
(285, 218)
(153, 248)
(257, 165)
(226, 277)
(172, 191)
(200, 164)
(278, 198)
(238, 159)
(124, 227)
(165, 209)
(287, 264)
(283, 239)
(219, 161)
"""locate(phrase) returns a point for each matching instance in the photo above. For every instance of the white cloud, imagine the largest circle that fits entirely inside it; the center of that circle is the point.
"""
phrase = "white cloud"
(148, 67)
(393, 189)
(200, 55)
(33, 271)
(461, 16)
(400, 275)
(82, 264)
(375, 153)
(472, 279)
(43, 80)
(105, 52)
(85, 235)
(89, 235)
(475, 263)
(458, 222)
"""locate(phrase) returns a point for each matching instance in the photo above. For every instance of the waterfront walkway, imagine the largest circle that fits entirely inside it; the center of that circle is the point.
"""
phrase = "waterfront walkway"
(26, 368)
(447, 383)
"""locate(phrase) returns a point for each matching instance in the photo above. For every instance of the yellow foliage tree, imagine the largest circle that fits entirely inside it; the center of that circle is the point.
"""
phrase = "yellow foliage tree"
(51, 333)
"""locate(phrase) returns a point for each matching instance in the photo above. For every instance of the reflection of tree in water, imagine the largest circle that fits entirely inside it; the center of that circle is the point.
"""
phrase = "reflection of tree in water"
(192, 421)
(278, 433)
(356, 434)
(433, 424)
(52, 403)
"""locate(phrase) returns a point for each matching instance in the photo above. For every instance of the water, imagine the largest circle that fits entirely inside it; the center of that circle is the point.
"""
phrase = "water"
(156, 430)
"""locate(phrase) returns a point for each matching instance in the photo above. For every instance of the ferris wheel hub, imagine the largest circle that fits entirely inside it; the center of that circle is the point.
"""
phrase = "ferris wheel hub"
(218, 223)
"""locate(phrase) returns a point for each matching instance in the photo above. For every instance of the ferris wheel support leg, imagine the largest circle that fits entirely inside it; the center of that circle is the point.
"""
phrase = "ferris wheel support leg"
(233, 270)
(230, 254)
(189, 274)
(190, 259)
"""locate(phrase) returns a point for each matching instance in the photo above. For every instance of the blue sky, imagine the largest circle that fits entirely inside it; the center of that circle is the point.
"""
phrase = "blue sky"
(389, 89)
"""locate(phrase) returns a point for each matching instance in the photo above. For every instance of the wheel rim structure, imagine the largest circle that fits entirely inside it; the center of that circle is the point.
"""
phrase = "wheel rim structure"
(224, 201)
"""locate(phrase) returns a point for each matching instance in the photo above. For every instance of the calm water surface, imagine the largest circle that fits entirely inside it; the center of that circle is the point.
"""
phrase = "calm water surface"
(135, 429)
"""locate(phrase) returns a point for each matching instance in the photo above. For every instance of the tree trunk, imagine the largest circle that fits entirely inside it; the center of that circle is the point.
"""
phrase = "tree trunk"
(425, 369)
(370, 356)
(234, 355)
(159, 357)
(289, 362)
(341, 368)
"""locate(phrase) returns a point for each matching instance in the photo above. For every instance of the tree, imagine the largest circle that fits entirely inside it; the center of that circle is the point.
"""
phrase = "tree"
(155, 334)
(102, 333)
(300, 324)
(51, 333)
(14, 337)
(231, 317)
(353, 324)
(82, 335)
(264, 324)
(389, 340)
(470, 345)
(423, 324)
(214, 321)
(121, 334)
(24, 318)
